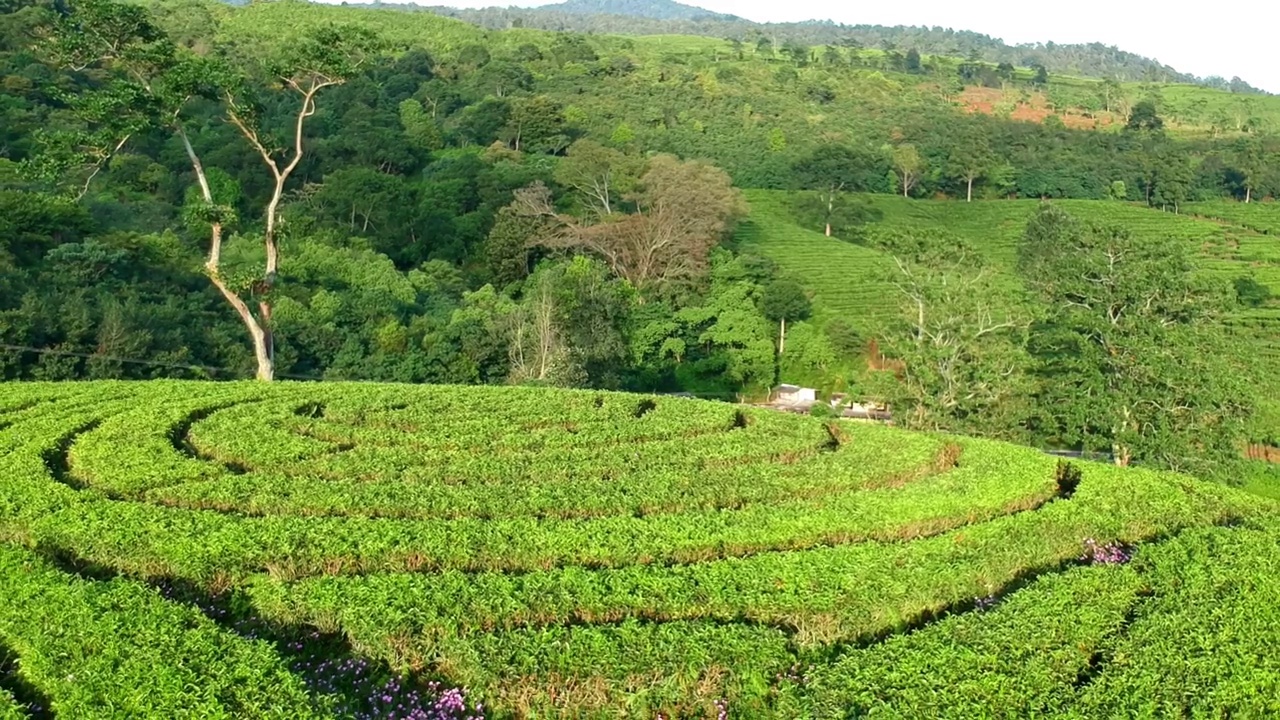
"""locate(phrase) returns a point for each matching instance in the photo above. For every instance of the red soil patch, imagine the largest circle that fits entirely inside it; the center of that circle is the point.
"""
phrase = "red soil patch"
(985, 101)
(1265, 453)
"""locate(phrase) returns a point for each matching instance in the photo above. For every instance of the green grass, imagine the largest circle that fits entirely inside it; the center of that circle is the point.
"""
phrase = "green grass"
(589, 554)
(848, 281)
(1264, 480)
(1213, 111)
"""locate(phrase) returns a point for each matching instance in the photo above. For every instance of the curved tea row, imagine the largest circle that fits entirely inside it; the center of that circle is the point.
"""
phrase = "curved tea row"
(564, 552)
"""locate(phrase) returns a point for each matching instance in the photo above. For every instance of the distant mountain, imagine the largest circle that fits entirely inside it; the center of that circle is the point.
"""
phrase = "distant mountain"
(652, 9)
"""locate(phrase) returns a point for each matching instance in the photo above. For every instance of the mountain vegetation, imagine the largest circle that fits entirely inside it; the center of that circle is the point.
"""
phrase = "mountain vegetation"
(629, 17)
(655, 9)
(452, 282)
(291, 190)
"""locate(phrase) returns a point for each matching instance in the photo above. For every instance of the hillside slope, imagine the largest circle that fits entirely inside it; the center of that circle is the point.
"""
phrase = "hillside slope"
(646, 17)
(589, 554)
(854, 283)
(707, 97)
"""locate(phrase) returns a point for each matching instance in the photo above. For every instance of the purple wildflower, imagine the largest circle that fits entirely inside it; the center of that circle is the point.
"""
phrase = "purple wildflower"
(1112, 553)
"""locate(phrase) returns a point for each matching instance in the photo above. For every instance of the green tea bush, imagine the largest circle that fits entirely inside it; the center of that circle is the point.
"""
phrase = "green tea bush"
(578, 553)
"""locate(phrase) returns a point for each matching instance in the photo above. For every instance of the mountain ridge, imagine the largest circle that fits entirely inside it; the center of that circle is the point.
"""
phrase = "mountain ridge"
(652, 9)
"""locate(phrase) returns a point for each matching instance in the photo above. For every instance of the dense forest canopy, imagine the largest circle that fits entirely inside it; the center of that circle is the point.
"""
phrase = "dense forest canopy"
(302, 191)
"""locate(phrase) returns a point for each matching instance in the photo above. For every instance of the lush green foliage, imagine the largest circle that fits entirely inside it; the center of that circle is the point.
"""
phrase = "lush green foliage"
(1091, 642)
(631, 17)
(9, 707)
(403, 259)
(860, 282)
(548, 548)
(132, 654)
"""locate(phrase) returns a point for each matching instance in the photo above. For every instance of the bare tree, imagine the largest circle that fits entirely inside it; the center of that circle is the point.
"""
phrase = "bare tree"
(323, 59)
(600, 175)
(539, 352)
(684, 208)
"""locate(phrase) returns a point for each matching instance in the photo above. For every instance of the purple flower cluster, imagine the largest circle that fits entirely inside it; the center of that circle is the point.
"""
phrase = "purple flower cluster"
(983, 604)
(795, 674)
(360, 689)
(368, 696)
(1106, 554)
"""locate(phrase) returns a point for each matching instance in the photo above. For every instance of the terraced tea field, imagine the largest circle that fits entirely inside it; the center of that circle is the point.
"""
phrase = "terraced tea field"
(855, 282)
(1264, 217)
(195, 550)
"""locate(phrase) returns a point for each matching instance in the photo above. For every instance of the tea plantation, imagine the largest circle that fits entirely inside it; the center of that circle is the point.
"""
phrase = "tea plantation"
(853, 282)
(187, 550)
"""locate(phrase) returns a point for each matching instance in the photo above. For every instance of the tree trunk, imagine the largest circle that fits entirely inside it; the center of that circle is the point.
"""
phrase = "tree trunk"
(1248, 193)
(828, 229)
(970, 199)
(782, 337)
(261, 337)
(1121, 455)
(262, 345)
(260, 327)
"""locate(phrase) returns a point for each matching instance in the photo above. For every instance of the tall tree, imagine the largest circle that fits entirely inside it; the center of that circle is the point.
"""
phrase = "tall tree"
(836, 213)
(536, 124)
(909, 165)
(1130, 356)
(1173, 178)
(419, 127)
(1112, 93)
(912, 62)
(601, 176)
(959, 341)
(1145, 116)
(152, 82)
(781, 300)
(833, 168)
(971, 159)
(1249, 161)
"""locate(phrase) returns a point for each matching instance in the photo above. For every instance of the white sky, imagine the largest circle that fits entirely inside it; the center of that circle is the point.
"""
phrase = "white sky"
(1228, 37)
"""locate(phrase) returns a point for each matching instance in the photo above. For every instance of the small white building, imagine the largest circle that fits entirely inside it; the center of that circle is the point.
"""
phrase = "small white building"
(795, 395)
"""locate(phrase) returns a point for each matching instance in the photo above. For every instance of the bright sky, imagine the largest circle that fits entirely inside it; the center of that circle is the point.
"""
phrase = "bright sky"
(1228, 37)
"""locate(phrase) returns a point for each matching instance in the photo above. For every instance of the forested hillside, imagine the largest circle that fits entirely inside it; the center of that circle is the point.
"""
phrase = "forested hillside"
(653, 18)
(305, 191)
(657, 9)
